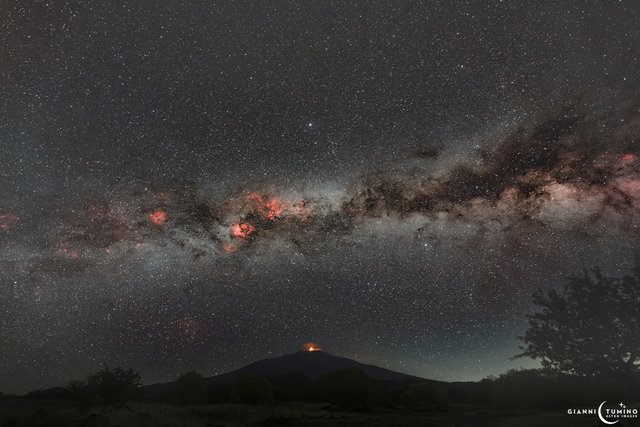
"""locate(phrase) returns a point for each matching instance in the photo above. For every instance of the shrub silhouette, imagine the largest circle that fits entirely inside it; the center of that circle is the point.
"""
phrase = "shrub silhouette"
(589, 328)
(470, 393)
(253, 390)
(111, 388)
(190, 389)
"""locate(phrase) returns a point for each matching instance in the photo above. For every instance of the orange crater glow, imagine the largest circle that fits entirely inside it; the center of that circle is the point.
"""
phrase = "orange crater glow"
(311, 346)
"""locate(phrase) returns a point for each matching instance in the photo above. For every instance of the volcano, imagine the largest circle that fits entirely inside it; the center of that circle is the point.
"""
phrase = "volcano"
(311, 364)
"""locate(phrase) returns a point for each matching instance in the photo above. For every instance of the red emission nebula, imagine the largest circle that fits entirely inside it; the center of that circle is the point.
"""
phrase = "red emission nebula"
(242, 230)
(261, 209)
(271, 208)
(7, 219)
(158, 217)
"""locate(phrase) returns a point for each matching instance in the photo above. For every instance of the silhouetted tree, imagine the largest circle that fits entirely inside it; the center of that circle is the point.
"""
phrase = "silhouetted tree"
(111, 388)
(591, 327)
(254, 390)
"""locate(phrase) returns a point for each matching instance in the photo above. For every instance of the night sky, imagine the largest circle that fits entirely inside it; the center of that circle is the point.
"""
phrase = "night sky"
(197, 185)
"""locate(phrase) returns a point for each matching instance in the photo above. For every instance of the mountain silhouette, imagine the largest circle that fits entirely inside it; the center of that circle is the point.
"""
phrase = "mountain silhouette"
(310, 364)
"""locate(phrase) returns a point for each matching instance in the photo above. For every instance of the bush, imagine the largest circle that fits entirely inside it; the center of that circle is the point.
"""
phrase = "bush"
(111, 388)
(189, 389)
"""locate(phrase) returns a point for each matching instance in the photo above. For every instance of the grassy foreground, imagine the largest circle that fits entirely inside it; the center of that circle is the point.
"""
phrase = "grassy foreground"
(44, 413)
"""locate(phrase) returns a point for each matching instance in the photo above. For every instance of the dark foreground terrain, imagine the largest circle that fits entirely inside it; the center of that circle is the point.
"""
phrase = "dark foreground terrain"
(43, 413)
(315, 389)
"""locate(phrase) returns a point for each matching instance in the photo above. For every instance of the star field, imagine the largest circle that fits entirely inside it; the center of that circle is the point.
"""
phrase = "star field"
(198, 185)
